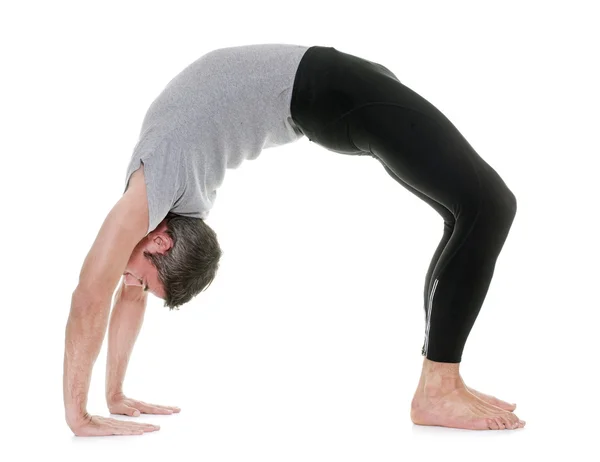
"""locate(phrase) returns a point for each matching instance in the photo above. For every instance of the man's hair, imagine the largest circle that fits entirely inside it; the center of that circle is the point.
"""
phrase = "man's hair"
(190, 266)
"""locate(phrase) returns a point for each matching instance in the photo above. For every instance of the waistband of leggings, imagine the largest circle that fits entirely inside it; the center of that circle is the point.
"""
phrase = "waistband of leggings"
(300, 88)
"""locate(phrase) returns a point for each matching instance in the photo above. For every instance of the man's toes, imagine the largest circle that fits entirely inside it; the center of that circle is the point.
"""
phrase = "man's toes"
(512, 420)
(493, 424)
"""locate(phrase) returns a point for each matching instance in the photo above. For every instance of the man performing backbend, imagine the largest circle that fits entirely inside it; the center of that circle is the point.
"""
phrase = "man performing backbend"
(226, 107)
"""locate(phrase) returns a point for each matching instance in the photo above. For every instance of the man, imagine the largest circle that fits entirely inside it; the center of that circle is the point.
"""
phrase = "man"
(225, 108)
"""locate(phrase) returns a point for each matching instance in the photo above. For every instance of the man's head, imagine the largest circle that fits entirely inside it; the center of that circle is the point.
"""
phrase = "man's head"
(176, 261)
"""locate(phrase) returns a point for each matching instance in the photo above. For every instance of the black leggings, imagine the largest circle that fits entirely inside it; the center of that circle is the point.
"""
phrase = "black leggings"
(354, 106)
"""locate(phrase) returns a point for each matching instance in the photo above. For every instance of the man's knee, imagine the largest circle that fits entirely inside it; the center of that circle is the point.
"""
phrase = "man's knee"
(504, 203)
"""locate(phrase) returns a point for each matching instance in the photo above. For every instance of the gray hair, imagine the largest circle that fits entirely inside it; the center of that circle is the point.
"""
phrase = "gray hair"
(190, 266)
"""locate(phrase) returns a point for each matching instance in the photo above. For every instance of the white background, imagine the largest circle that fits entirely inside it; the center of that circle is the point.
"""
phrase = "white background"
(307, 344)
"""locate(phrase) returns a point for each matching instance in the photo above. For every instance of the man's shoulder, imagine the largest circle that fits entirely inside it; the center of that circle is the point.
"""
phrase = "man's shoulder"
(136, 192)
(137, 180)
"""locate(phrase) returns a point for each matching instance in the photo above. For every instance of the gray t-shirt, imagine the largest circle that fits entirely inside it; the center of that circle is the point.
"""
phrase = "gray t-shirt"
(224, 108)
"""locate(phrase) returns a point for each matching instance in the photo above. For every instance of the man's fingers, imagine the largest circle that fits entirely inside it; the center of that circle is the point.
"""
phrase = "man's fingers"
(160, 405)
(139, 426)
(147, 408)
(145, 427)
(127, 431)
(171, 408)
(134, 408)
(133, 430)
(155, 410)
(133, 426)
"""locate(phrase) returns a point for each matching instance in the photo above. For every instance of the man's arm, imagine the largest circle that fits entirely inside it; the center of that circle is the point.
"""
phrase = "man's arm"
(125, 225)
(125, 324)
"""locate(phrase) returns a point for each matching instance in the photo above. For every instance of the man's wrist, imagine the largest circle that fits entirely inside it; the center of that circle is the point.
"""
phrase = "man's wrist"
(76, 418)
(114, 394)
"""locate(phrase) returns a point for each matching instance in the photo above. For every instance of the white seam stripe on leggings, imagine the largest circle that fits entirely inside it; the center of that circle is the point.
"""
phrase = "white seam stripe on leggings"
(429, 316)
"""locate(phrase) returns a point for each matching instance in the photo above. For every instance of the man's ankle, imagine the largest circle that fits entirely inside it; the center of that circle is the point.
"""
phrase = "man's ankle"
(439, 368)
(439, 378)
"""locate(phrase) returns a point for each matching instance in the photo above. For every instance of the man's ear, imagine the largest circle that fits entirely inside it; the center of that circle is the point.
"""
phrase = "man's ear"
(160, 240)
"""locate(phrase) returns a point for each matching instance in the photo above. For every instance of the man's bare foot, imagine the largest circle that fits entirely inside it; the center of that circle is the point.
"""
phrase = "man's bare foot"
(442, 399)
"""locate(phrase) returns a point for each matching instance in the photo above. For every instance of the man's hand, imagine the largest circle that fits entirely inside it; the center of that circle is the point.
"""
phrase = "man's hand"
(120, 404)
(93, 425)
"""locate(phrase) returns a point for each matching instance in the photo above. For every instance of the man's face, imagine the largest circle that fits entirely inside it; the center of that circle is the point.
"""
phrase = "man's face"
(139, 270)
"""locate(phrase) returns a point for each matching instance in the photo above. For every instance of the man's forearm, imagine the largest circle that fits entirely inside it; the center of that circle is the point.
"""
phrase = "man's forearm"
(125, 324)
(84, 333)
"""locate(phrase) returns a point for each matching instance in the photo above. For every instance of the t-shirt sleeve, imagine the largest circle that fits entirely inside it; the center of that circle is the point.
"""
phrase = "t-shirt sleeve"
(161, 161)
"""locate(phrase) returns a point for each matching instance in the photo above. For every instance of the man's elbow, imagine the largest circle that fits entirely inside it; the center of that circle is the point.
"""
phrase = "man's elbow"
(86, 300)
